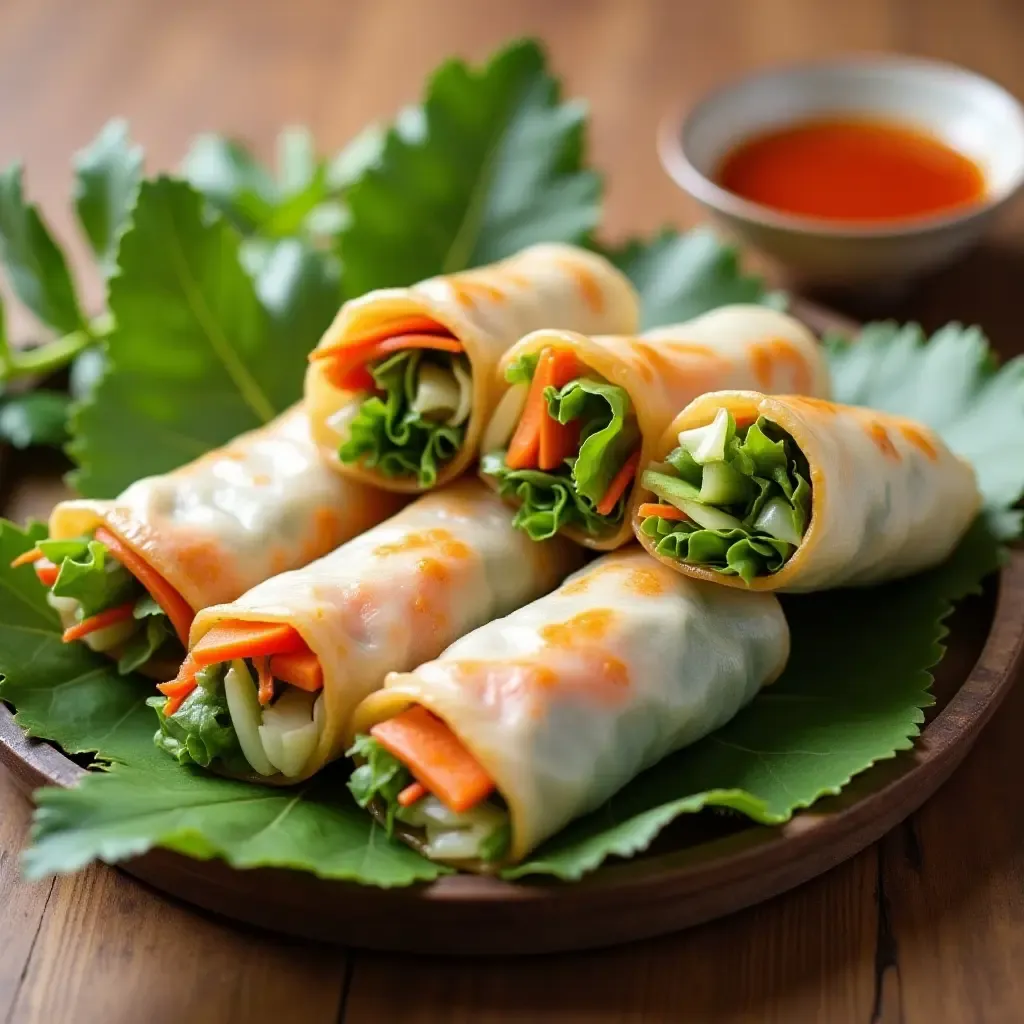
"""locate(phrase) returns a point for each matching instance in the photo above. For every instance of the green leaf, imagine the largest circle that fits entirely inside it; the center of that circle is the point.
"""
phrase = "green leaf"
(34, 418)
(950, 382)
(36, 266)
(851, 695)
(493, 163)
(680, 276)
(126, 811)
(107, 177)
(231, 178)
(195, 357)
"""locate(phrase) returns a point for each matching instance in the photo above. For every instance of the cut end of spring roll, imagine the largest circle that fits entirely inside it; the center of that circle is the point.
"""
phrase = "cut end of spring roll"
(533, 720)
(271, 679)
(400, 386)
(581, 414)
(794, 493)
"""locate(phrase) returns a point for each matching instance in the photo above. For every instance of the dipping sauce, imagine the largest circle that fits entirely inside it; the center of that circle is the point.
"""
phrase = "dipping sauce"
(853, 169)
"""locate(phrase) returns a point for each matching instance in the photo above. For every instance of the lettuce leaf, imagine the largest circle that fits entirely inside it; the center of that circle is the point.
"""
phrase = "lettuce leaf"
(380, 776)
(154, 633)
(387, 435)
(772, 513)
(200, 731)
(88, 574)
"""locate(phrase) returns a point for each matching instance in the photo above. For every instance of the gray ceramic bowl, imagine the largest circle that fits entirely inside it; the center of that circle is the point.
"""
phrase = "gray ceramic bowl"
(968, 112)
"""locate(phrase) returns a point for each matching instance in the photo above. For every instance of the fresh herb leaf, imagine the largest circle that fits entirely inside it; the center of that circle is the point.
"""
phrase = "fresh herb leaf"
(89, 575)
(36, 266)
(195, 358)
(491, 164)
(951, 382)
(107, 177)
(146, 642)
(34, 418)
(681, 275)
(381, 776)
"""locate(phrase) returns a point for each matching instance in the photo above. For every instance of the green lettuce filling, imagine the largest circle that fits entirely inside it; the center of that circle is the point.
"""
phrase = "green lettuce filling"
(569, 495)
(200, 731)
(387, 434)
(745, 492)
(481, 833)
(88, 574)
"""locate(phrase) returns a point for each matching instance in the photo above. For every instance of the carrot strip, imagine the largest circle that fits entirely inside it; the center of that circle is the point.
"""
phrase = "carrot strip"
(301, 669)
(407, 325)
(618, 486)
(266, 680)
(411, 794)
(349, 371)
(27, 557)
(653, 508)
(174, 606)
(524, 448)
(236, 639)
(47, 572)
(109, 617)
(178, 689)
(436, 757)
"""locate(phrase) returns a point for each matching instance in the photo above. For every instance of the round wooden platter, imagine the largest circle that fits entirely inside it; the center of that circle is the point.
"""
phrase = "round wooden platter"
(680, 882)
(700, 868)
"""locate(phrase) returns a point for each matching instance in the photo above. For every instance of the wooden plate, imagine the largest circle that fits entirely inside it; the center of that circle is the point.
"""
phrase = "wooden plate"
(700, 868)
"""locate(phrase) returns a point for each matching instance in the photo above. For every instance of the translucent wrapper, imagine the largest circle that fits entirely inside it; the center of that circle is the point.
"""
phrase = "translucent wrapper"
(262, 504)
(566, 700)
(888, 498)
(397, 595)
(486, 310)
(664, 369)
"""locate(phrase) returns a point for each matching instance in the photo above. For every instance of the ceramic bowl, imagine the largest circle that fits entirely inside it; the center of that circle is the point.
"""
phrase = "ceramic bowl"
(966, 111)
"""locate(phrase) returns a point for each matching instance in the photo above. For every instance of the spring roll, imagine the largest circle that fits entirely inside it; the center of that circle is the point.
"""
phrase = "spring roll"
(795, 494)
(128, 575)
(272, 678)
(402, 383)
(580, 414)
(535, 719)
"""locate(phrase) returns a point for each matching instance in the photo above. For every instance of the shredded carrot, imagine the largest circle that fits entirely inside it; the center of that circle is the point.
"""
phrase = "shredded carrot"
(180, 687)
(266, 680)
(436, 757)
(407, 325)
(618, 486)
(47, 572)
(27, 557)
(348, 368)
(109, 617)
(301, 669)
(411, 794)
(237, 639)
(651, 508)
(174, 606)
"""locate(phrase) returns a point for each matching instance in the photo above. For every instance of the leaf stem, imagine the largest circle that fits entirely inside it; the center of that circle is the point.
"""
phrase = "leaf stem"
(53, 355)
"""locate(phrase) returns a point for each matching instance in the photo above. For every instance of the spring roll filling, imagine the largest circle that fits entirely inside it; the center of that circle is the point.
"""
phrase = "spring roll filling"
(733, 499)
(222, 719)
(102, 604)
(414, 391)
(382, 783)
(578, 470)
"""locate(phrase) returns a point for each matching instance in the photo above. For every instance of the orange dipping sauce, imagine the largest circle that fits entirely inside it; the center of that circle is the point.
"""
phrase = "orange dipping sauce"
(852, 170)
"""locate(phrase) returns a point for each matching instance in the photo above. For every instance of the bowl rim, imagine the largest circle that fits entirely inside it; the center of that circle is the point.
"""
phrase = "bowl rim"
(671, 149)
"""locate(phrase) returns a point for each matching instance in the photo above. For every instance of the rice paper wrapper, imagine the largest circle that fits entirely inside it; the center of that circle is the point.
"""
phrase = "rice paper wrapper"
(888, 498)
(662, 370)
(487, 309)
(568, 699)
(397, 595)
(261, 505)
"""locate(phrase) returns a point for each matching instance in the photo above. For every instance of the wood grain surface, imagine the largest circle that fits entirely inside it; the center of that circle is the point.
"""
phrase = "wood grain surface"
(925, 927)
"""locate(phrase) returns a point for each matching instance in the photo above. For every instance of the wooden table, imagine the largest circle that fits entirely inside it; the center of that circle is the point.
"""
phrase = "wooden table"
(928, 926)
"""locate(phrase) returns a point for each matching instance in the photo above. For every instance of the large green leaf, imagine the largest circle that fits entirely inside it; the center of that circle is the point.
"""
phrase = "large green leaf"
(36, 266)
(951, 382)
(490, 164)
(195, 358)
(681, 275)
(107, 177)
(34, 418)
